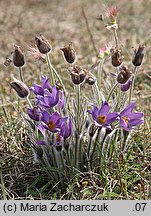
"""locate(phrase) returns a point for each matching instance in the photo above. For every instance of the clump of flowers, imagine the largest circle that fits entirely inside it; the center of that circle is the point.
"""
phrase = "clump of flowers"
(73, 134)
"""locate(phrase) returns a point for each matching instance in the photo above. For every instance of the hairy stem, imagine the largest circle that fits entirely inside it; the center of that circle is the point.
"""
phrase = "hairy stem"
(132, 85)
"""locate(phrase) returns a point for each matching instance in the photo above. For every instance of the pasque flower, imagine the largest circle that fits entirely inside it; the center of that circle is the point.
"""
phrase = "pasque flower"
(51, 122)
(102, 117)
(129, 119)
(49, 99)
(39, 89)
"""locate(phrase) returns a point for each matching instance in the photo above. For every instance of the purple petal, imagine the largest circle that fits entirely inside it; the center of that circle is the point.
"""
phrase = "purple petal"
(45, 83)
(135, 115)
(40, 142)
(41, 129)
(55, 117)
(123, 124)
(34, 113)
(125, 87)
(128, 109)
(94, 112)
(37, 89)
(135, 122)
(51, 99)
(61, 101)
(104, 109)
(46, 117)
(111, 117)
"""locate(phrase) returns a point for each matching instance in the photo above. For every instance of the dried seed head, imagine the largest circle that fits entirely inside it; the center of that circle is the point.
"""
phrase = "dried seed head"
(116, 57)
(21, 89)
(138, 55)
(77, 75)
(18, 57)
(69, 53)
(123, 75)
(42, 44)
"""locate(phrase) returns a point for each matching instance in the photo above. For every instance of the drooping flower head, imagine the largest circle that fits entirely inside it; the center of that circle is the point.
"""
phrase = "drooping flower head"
(42, 44)
(129, 119)
(18, 57)
(102, 117)
(20, 87)
(69, 53)
(138, 55)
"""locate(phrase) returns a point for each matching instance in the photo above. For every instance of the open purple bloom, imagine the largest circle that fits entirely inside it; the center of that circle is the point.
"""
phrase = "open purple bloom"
(52, 122)
(102, 117)
(39, 89)
(49, 99)
(66, 128)
(34, 113)
(125, 87)
(129, 119)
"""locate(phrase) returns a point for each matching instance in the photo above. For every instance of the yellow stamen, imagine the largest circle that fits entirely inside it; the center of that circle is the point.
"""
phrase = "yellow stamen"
(102, 119)
(58, 139)
(125, 119)
(51, 125)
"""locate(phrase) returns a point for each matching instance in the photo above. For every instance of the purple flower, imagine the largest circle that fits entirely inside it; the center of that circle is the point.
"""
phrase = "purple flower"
(52, 122)
(66, 128)
(39, 89)
(34, 113)
(49, 99)
(102, 117)
(129, 120)
(126, 86)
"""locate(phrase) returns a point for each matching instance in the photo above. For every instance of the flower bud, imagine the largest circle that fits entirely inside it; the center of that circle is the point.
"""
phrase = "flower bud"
(123, 75)
(69, 53)
(7, 62)
(18, 57)
(58, 85)
(90, 80)
(138, 55)
(77, 75)
(20, 88)
(116, 57)
(92, 130)
(42, 44)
